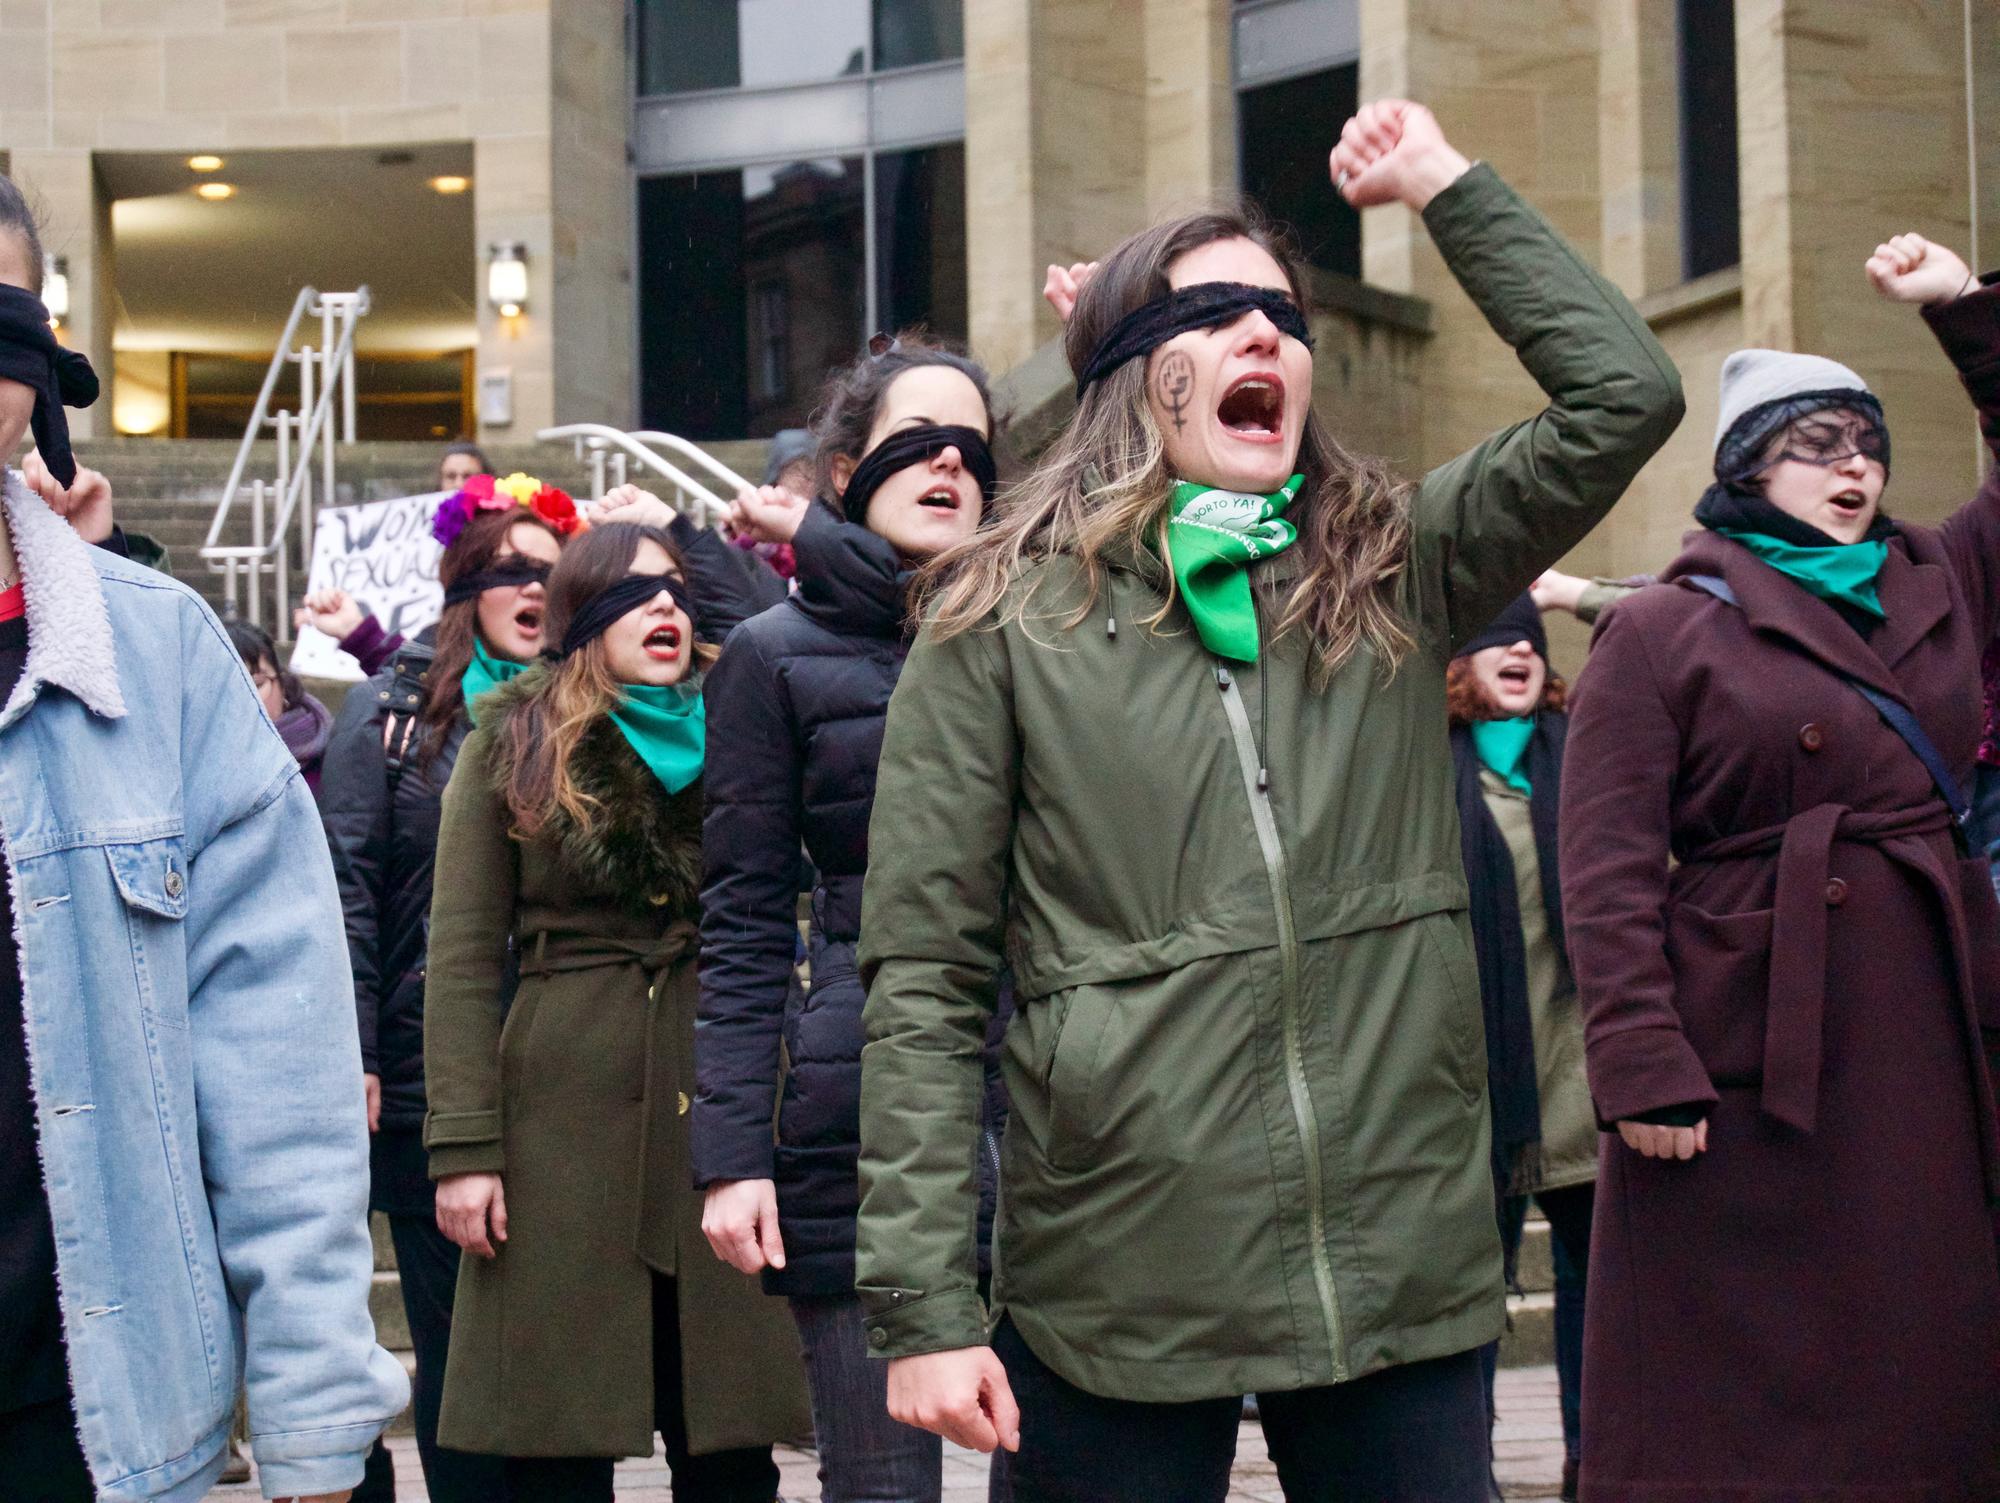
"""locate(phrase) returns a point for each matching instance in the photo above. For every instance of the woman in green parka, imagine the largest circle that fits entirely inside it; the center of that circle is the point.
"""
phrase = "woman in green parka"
(592, 1312)
(1172, 741)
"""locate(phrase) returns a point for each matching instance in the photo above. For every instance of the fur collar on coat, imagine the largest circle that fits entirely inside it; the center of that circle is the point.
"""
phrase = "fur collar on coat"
(645, 844)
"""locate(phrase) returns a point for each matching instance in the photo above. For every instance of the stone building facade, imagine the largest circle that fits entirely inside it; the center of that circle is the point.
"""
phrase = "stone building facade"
(596, 126)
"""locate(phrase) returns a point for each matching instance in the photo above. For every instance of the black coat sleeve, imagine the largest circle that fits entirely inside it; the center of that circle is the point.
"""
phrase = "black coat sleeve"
(729, 584)
(749, 905)
(354, 806)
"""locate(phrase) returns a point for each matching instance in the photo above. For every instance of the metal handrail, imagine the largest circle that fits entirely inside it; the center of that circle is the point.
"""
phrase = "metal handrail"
(602, 436)
(693, 451)
(233, 560)
(260, 415)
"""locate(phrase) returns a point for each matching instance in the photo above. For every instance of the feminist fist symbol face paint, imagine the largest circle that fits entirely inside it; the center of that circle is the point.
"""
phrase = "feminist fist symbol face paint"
(1175, 383)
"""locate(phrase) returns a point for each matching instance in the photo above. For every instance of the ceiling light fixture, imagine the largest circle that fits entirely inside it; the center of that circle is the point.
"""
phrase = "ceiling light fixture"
(205, 163)
(215, 193)
(451, 182)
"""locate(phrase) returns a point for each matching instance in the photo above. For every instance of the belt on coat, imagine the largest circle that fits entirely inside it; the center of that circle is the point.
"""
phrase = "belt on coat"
(1795, 1020)
(548, 953)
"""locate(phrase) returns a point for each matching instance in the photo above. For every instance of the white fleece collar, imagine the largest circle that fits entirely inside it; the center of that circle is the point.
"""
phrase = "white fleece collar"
(69, 631)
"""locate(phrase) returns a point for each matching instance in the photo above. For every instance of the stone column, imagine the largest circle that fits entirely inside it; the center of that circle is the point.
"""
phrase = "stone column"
(1523, 96)
(1639, 147)
(1056, 121)
(62, 185)
(513, 178)
(1190, 106)
(596, 351)
(1853, 129)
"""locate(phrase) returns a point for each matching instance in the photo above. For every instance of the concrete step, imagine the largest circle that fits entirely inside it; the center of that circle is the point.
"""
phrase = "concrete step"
(1531, 1338)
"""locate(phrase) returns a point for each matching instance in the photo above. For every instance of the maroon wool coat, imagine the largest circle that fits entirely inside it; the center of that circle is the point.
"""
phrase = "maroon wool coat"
(1810, 1311)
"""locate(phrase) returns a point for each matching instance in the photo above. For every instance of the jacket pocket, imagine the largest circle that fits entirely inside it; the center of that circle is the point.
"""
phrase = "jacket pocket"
(1465, 1027)
(1722, 974)
(1071, 1073)
(151, 878)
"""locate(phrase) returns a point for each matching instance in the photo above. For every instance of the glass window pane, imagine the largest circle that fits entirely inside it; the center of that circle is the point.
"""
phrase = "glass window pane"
(722, 44)
(1711, 231)
(920, 239)
(1284, 132)
(750, 290)
(908, 32)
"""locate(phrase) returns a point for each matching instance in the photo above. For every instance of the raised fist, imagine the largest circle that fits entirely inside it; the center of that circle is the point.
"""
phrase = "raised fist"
(1392, 151)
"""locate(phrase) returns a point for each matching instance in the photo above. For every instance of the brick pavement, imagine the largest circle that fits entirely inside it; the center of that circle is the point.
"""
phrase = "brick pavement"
(1528, 1441)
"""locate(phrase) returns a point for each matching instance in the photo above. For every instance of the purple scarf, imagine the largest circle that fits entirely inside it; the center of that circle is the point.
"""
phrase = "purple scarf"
(306, 727)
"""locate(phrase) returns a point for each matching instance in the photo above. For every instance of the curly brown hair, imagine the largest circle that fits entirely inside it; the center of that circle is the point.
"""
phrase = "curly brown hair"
(1465, 701)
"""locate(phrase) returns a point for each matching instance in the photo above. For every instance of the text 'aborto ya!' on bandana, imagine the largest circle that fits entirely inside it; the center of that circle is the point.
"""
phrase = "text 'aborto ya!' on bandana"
(1214, 536)
(58, 377)
(1204, 305)
(913, 446)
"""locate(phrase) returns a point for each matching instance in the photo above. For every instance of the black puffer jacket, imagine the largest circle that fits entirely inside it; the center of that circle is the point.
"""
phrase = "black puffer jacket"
(795, 714)
(383, 833)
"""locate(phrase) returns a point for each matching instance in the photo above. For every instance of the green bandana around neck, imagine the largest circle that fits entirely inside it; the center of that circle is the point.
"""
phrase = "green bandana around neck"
(484, 674)
(1845, 573)
(1214, 536)
(1502, 746)
(667, 725)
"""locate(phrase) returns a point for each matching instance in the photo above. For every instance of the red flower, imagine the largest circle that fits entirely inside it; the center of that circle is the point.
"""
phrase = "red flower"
(477, 488)
(555, 508)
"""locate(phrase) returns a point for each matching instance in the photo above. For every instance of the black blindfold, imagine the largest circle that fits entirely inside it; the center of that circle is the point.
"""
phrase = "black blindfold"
(58, 377)
(1205, 305)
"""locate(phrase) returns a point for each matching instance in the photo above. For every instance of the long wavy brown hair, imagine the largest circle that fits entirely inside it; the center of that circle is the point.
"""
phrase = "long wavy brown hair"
(1105, 483)
(576, 692)
(1466, 699)
(477, 547)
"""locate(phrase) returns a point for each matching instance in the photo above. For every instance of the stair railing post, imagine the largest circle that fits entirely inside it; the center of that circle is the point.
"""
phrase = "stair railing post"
(257, 561)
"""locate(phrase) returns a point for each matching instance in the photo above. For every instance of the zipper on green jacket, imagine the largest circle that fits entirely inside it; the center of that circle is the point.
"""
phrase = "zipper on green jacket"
(1257, 783)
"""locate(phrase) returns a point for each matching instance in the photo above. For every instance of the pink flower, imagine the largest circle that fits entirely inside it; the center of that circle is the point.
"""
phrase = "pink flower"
(479, 494)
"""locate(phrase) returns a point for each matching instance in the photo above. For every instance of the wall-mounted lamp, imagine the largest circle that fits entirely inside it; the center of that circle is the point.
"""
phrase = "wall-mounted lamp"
(55, 289)
(507, 277)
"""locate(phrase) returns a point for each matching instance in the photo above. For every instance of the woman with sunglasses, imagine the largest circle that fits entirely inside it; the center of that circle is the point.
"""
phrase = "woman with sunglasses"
(1789, 962)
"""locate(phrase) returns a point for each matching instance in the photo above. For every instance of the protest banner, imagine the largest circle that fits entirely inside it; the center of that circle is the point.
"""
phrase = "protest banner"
(383, 555)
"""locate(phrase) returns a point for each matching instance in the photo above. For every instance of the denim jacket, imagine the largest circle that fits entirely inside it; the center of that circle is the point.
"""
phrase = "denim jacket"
(191, 1040)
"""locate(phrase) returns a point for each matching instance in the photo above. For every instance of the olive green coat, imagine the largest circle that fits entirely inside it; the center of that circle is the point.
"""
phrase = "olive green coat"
(576, 1095)
(1248, 1148)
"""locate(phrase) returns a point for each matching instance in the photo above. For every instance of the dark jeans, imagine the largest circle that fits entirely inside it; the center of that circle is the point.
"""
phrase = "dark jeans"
(748, 1475)
(428, 1262)
(1410, 1434)
(1984, 832)
(864, 1456)
(1568, 1211)
(41, 1460)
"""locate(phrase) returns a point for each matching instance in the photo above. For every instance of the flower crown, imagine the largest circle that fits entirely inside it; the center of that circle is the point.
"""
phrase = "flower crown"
(484, 493)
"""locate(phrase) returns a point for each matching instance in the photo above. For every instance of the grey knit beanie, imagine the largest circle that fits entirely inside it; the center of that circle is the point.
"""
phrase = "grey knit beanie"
(1750, 378)
(788, 446)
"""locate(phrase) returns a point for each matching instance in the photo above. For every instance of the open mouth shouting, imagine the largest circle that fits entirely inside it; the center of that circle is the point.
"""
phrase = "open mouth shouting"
(1253, 408)
(1515, 678)
(528, 621)
(663, 644)
(942, 497)
(1849, 504)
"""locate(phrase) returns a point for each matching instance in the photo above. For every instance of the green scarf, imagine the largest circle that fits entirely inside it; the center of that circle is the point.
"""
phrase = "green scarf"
(484, 674)
(1845, 573)
(1214, 537)
(1502, 744)
(667, 725)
